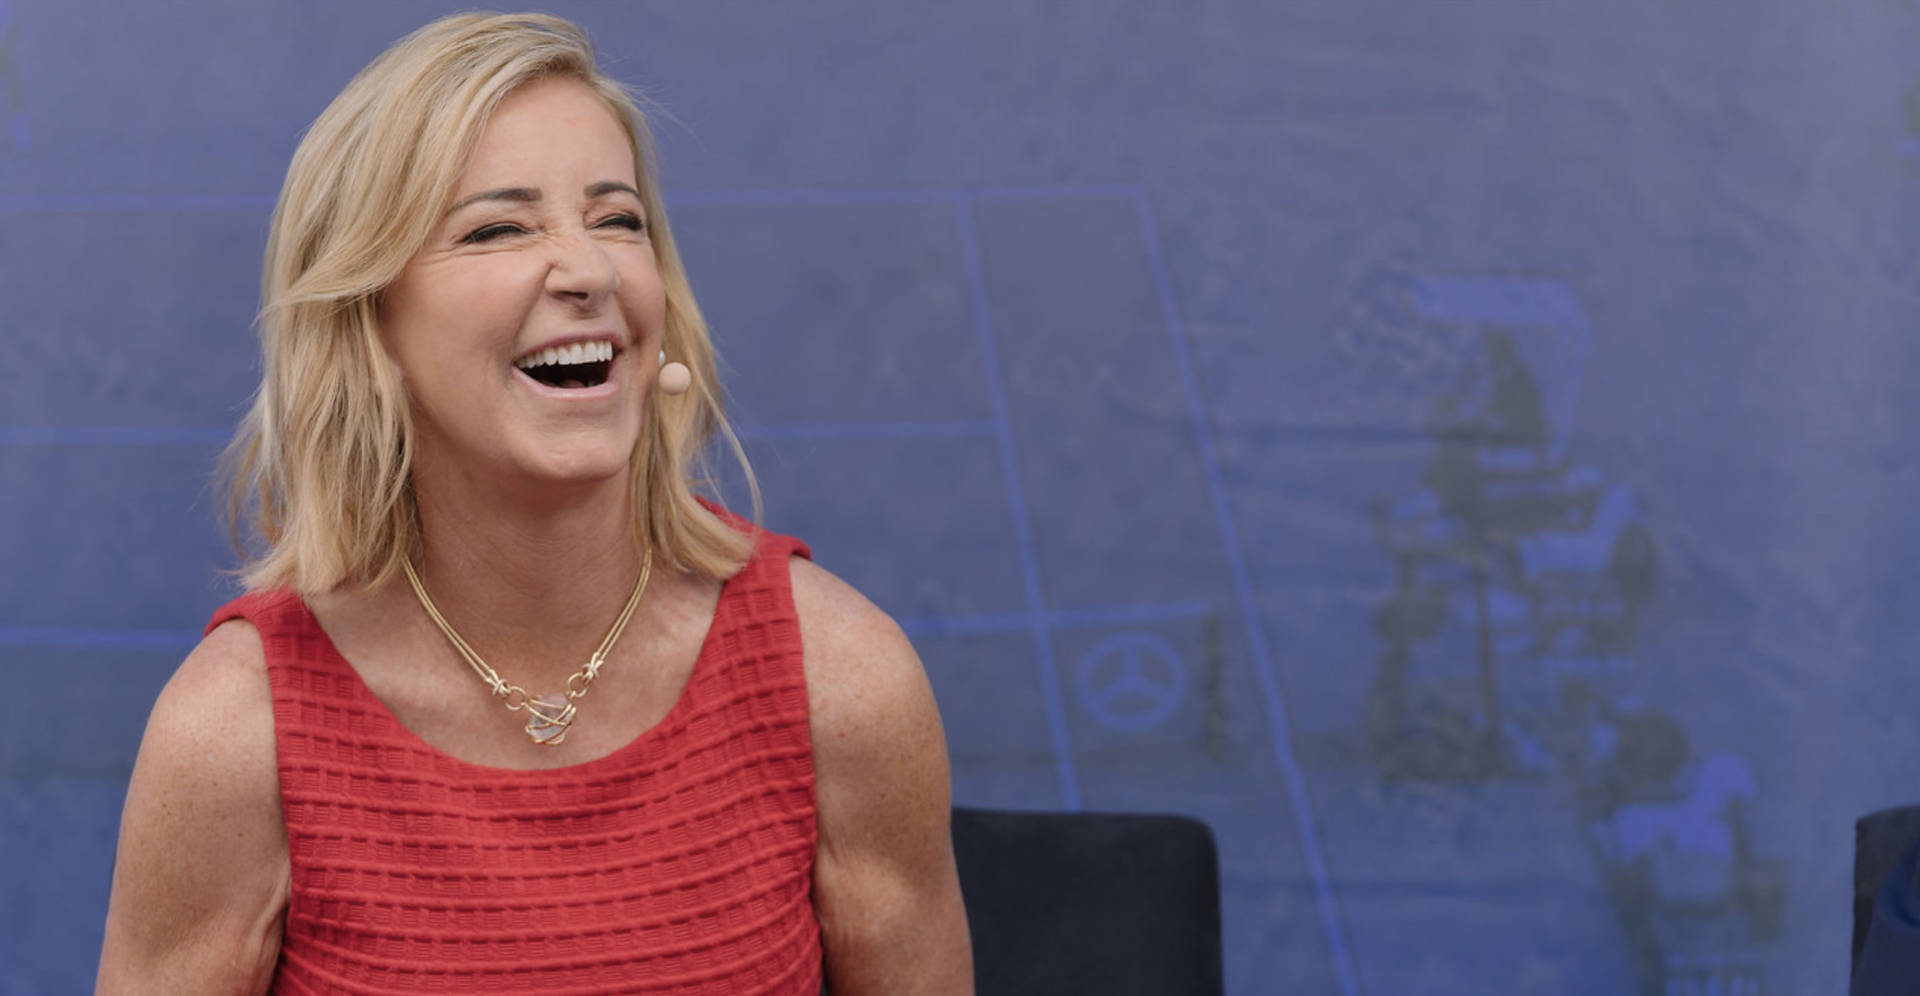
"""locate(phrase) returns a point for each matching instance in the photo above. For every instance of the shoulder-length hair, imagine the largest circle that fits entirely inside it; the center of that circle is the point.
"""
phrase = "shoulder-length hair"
(319, 468)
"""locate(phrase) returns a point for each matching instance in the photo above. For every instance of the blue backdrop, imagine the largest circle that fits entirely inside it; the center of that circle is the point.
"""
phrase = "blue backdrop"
(1462, 450)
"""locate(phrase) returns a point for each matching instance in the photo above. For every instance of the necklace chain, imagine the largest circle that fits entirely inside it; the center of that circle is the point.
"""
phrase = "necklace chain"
(550, 715)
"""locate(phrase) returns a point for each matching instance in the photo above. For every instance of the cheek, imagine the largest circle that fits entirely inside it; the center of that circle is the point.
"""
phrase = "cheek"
(450, 319)
(644, 297)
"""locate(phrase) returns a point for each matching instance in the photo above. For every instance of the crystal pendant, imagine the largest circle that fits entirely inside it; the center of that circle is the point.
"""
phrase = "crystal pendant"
(548, 718)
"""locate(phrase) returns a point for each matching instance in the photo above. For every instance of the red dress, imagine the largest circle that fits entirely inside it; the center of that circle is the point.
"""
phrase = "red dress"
(680, 863)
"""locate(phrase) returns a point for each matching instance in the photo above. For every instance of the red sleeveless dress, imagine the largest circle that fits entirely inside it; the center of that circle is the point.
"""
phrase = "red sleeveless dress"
(680, 863)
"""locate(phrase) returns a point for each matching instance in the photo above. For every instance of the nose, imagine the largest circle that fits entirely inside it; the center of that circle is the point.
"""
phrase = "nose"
(582, 272)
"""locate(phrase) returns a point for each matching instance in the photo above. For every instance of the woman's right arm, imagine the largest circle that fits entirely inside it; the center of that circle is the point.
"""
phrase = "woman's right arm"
(201, 882)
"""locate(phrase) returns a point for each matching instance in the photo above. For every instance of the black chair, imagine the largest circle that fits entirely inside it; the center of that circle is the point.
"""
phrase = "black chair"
(1880, 840)
(1108, 903)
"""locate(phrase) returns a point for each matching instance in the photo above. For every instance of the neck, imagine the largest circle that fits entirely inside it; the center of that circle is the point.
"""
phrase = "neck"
(531, 582)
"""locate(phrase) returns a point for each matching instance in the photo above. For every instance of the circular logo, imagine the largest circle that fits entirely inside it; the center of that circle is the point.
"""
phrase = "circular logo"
(1131, 681)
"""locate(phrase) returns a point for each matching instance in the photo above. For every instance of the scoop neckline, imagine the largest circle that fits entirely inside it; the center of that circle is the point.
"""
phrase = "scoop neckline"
(640, 742)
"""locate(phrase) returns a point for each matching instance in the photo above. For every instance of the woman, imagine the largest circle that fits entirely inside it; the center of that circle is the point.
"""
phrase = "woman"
(471, 461)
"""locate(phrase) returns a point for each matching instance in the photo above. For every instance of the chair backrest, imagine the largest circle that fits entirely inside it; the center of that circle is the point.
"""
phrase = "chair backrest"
(1110, 903)
(1880, 840)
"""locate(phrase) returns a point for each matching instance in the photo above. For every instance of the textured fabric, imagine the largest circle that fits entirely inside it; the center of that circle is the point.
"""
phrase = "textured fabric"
(680, 863)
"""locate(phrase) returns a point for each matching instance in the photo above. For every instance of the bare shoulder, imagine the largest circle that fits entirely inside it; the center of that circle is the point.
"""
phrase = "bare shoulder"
(860, 667)
(201, 877)
(879, 751)
(838, 613)
(229, 662)
(215, 715)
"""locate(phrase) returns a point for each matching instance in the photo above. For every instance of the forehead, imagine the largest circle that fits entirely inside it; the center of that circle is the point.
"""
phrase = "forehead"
(550, 127)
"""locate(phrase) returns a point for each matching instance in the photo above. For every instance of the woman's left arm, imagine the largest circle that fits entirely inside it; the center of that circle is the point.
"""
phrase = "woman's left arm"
(884, 883)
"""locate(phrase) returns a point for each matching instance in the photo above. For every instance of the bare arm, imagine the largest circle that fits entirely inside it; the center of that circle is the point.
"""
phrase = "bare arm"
(201, 882)
(884, 882)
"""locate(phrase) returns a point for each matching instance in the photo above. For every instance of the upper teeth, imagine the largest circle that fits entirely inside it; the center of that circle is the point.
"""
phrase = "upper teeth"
(579, 352)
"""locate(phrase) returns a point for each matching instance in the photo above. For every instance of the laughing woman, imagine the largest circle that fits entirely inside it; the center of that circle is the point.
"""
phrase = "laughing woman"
(507, 707)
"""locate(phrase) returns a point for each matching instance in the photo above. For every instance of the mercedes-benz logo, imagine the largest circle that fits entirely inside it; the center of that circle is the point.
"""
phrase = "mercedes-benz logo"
(1131, 681)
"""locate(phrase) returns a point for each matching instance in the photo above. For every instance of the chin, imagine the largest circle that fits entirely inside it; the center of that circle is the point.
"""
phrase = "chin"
(579, 461)
(583, 468)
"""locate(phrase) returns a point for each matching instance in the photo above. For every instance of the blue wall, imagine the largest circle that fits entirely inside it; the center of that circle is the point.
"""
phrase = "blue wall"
(1460, 450)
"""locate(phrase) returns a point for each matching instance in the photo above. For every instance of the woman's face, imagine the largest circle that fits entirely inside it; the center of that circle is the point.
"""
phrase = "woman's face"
(527, 326)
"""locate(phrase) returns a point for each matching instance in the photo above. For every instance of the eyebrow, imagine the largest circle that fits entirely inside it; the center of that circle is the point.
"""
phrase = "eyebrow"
(524, 195)
(528, 195)
(605, 187)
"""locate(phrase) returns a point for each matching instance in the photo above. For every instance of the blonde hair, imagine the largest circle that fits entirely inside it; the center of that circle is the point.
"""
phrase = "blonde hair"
(322, 460)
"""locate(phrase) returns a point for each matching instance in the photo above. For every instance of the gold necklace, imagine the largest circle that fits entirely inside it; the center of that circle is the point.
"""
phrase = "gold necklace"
(549, 716)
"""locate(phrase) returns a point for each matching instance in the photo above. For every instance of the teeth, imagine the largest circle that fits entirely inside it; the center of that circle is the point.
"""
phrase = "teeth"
(580, 352)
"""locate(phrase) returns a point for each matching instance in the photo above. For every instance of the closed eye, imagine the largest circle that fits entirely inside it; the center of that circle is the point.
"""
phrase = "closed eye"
(491, 232)
(626, 221)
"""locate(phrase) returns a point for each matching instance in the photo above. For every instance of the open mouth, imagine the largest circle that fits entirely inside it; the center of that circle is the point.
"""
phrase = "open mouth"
(581, 365)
